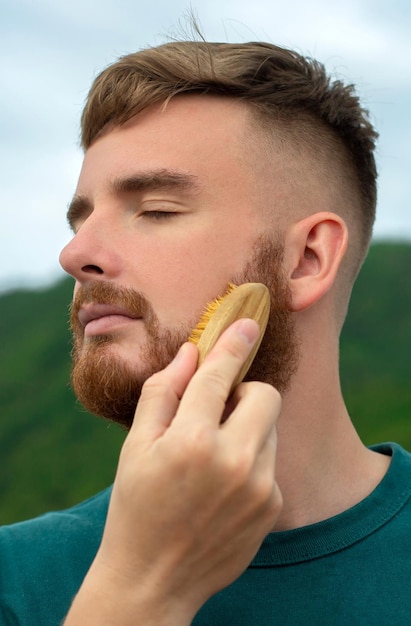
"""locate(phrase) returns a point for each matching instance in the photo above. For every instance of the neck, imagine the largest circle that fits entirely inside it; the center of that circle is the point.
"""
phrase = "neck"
(323, 468)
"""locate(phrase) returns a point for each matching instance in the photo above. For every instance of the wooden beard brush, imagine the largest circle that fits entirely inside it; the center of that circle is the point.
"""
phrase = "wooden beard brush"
(251, 300)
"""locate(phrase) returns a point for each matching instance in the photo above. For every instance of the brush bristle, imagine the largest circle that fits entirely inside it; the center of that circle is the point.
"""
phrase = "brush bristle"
(206, 316)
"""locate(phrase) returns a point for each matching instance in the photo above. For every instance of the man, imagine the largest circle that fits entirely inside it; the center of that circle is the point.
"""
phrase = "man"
(207, 164)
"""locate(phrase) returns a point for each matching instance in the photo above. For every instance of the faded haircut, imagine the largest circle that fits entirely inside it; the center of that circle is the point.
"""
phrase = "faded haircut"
(283, 88)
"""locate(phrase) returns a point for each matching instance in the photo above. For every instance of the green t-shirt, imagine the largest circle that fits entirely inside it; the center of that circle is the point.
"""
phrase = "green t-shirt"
(354, 568)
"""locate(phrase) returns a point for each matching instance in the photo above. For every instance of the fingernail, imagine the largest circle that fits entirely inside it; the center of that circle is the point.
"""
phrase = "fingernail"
(249, 329)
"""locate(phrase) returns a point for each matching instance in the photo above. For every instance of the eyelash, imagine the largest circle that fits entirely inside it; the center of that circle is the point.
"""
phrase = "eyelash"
(158, 215)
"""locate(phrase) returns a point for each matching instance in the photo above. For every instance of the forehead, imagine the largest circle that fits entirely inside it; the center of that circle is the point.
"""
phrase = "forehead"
(200, 128)
(219, 113)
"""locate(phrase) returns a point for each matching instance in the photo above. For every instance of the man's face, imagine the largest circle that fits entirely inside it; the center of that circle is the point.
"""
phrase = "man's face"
(167, 211)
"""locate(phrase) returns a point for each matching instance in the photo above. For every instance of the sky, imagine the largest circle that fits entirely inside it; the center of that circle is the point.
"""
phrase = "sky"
(50, 51)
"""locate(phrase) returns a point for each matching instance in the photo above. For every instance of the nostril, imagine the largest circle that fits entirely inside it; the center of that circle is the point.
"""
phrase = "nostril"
(92, 269)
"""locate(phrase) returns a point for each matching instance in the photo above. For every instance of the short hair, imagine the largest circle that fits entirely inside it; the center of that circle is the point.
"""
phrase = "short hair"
(280, 85)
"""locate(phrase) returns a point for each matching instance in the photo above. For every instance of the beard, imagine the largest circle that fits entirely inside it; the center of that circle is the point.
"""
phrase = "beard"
(108, 386)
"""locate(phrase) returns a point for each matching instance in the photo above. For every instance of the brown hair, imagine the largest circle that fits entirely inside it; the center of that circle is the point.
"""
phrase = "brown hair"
(277, 83)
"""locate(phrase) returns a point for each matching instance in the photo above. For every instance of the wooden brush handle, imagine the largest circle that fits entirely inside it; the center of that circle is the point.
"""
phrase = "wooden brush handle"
(250, 300)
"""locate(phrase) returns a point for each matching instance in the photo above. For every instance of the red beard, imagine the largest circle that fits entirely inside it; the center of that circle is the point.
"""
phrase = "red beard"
(109, 387)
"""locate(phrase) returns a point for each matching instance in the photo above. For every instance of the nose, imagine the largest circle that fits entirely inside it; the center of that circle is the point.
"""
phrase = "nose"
(91, 254)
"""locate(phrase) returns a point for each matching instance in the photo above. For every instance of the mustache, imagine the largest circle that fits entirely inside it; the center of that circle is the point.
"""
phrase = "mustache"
(105, 292)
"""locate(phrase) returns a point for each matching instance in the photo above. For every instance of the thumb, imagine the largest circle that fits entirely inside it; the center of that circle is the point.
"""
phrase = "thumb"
(161, 395)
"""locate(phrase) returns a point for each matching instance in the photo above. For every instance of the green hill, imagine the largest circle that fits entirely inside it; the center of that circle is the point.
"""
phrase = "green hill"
(376, 346)
(54, 454)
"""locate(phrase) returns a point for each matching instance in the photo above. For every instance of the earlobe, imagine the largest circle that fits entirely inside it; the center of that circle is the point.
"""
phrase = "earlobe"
(315, 248)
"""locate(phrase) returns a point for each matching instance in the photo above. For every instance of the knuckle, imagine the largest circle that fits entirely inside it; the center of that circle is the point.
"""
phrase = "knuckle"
(198, 444)
(276, 502)
(238, 468)
(263, 488)
(265, 396)
(218, 372)
(197, 448)
(217, 380)
(269, 504)
(273, 394)
(268, 391)
(236, 349)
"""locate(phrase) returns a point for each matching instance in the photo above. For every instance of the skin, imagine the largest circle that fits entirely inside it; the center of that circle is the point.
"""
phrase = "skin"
(164, 256)
(257, 480)
(193, 484)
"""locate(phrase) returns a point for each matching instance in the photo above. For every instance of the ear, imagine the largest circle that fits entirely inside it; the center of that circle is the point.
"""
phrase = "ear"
(315, 247)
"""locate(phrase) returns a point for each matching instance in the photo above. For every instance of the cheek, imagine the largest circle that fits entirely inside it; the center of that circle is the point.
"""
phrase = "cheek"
(180, 284)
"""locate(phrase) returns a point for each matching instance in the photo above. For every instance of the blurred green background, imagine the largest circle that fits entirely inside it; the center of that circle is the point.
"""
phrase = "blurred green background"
(54, 454)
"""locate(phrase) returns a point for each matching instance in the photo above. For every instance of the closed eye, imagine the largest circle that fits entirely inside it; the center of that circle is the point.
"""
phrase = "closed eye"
(158, 215)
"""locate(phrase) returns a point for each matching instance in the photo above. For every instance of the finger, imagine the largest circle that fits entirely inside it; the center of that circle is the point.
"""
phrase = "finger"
(207, 393)
(252, 422)
(161, 394)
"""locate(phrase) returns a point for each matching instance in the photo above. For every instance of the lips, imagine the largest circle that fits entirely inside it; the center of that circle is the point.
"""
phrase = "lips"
(98, 318)
(90, 312)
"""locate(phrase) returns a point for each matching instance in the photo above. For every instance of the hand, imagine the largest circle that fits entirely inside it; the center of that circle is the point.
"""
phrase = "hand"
(195, 492)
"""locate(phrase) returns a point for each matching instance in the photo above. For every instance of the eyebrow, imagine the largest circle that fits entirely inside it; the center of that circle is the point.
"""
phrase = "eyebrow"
(164, 180)
(156, 180)
(78, 208)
